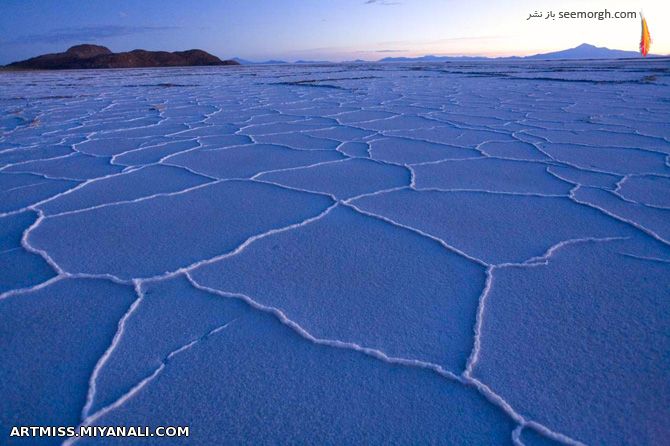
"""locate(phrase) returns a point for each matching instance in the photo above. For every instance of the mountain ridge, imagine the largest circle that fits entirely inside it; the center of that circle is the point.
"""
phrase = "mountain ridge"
(89, 56)
(584, 51)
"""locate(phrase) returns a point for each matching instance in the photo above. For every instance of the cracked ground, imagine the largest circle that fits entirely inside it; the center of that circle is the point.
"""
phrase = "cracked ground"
(460, 253)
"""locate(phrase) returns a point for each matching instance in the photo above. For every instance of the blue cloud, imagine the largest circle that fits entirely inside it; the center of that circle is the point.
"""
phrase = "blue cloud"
(87, 33)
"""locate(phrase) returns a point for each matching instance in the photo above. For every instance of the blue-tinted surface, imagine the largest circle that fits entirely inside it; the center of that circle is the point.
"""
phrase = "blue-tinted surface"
(501, 275)
(52, 339)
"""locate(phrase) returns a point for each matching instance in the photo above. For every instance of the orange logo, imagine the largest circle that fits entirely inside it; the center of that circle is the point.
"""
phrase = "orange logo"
(645, 40)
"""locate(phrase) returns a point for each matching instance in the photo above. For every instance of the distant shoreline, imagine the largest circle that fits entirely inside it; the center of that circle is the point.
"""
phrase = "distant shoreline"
(89, 56)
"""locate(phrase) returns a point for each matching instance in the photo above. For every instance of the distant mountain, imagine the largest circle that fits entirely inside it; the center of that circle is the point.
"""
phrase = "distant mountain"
(95, 56)
(266, 62)
(583, 51)
(431, 58)
(586, 51)
(312, 61)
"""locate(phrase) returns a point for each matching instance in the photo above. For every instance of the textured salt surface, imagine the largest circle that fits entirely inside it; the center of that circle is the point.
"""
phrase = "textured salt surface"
(345, 179)
(166, 232)
(617, 330)
(52, 339)
(526, 226)
(261, 383)
(403, 253)
(358, 279)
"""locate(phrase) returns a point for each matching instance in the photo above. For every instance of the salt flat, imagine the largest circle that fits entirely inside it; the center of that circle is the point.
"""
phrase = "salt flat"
(456, 253)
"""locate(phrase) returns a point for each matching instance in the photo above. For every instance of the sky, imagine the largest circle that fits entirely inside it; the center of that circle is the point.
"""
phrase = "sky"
(334, 30)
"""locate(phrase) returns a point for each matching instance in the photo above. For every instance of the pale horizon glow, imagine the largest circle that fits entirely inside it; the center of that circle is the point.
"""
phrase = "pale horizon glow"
(334, 30)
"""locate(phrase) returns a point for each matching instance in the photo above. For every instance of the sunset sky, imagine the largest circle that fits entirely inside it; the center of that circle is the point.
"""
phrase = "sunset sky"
(322, 29)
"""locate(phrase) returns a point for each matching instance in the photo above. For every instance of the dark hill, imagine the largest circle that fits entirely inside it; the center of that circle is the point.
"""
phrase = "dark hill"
(95, 56)
(86, 50)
